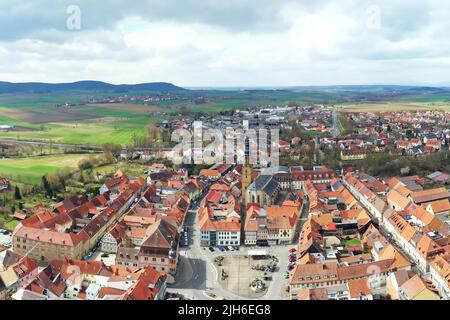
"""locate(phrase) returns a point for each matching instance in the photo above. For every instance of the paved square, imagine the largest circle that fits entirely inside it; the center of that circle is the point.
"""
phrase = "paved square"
(240, 275)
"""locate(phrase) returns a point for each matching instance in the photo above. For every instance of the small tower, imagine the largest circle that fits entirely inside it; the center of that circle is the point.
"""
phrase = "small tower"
(246, 176)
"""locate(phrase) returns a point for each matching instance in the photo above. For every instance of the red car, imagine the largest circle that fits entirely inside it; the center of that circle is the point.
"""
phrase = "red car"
(292, 260)
(292, 250)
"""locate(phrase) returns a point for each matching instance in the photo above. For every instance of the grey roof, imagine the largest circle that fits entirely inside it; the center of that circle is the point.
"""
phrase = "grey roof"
(434, 174)
(267, 184)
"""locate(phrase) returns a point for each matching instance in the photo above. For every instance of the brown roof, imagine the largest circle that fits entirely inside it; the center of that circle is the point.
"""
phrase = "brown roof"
(442, 266)
(146, 288)
(428, 247)
(104, 291)
(49, 236)
(398, 199)
(430, 195)
(209, 173)
(439, 206)
(311, 294)
(414, 286)
(317, 272)
(162, 234)
(90, 267)
(358, 288)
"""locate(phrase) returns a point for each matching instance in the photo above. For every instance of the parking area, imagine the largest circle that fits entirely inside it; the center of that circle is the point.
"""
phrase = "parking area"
(107, 258)
(5, 238)
(244, 275)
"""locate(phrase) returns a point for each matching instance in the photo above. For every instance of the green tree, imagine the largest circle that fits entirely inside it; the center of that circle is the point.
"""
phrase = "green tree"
(46, 186)
(17, 194)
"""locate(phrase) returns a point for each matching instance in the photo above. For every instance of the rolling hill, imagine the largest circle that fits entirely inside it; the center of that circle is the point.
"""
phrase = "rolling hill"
(37, 87)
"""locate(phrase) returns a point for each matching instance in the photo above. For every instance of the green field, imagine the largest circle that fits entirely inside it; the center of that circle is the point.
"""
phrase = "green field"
(31, 170)
(95, 124)
(86, 132)
(395, 106)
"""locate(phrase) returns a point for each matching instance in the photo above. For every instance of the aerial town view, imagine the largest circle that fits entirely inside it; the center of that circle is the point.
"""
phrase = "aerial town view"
(243, 151)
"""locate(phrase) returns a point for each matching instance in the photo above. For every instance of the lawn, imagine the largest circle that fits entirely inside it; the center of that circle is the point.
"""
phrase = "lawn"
(352, 243)
(10, 225)
(30, 170)
(129, 168)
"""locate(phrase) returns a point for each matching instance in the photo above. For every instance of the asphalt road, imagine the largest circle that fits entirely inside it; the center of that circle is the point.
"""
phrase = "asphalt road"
(66, 145)
(335, 130)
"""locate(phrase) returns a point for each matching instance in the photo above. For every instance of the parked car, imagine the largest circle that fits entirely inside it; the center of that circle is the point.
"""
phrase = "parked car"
(291, 264)
(292, 260)
(230, 248)
(236, 248)
(211, 249)
(226, 248)
(104, 255)
(292, 250)
(222, 249)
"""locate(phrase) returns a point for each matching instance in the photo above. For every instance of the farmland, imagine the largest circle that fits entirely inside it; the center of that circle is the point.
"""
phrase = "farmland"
(37, 117)
(395, 106)
(30, 170)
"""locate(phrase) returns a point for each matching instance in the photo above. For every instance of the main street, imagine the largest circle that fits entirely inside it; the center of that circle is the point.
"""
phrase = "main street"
(336, 129)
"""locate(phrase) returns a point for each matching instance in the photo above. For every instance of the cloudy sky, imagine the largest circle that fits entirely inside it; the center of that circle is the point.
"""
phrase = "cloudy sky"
(226, 43)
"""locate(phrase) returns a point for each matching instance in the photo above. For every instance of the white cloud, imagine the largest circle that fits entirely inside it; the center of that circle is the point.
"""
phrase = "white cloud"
(232, 43)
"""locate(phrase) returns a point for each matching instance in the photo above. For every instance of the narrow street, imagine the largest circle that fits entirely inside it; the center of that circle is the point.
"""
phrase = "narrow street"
(336, 129)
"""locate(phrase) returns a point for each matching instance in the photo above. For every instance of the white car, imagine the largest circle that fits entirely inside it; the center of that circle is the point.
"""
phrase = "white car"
(230, 248)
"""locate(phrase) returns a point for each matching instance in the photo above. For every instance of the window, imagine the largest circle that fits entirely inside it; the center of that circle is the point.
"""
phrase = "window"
(162, 259)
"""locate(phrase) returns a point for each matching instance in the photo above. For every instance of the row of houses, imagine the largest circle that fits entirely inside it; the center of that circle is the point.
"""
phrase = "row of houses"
(73, 227)
(418, 221)
(273, 225)
(343, 255)
(69, 279)
(149, 233)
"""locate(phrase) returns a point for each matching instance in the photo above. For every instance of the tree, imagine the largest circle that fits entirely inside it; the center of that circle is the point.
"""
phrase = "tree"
(46, 186)
(112, 148)
(17, 194)
(85, 164)
(54, 182)
(108, 157)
